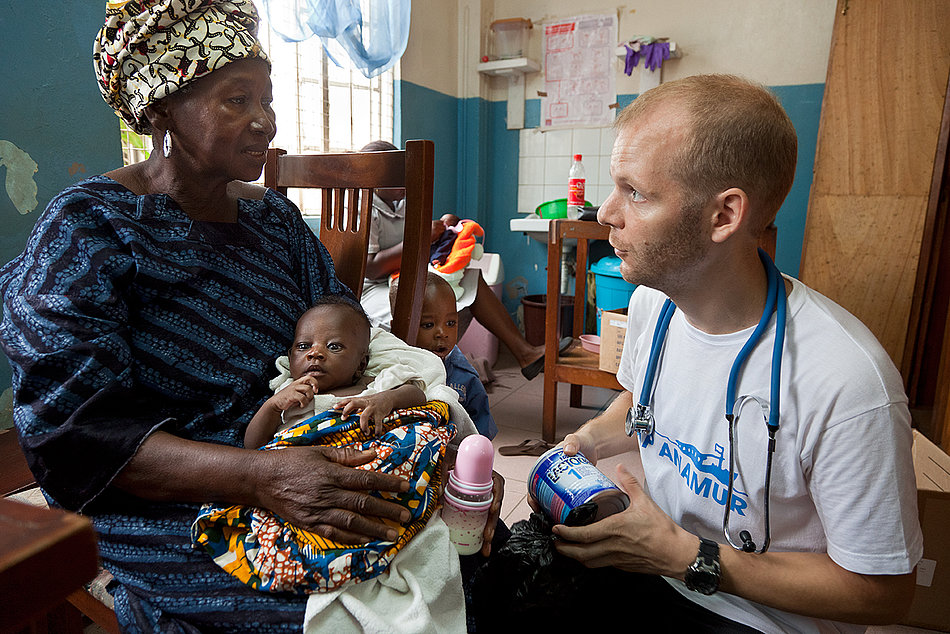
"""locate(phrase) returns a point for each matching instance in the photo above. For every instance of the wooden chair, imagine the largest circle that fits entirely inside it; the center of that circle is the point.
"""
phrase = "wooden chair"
(578, 366)
(66, 616)
(347, 182)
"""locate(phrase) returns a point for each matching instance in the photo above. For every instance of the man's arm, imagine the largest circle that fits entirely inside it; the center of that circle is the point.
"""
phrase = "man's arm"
(644, 539)
(604, 435)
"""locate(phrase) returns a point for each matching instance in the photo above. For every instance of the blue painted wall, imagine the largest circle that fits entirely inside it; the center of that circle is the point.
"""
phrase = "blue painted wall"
(50, 107)
(423, 113)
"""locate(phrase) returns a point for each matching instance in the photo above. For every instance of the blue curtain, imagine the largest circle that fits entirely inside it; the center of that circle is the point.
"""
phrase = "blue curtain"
(371, 44)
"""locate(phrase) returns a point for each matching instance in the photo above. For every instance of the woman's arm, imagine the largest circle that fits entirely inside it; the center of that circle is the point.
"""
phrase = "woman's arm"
(383, 263)
(387, 261)
(315, 488)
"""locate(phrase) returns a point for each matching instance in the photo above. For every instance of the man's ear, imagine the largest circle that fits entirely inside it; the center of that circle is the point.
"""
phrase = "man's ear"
(730, 214)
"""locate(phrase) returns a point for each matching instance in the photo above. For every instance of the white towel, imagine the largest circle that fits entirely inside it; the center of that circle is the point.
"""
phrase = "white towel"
(421, 592)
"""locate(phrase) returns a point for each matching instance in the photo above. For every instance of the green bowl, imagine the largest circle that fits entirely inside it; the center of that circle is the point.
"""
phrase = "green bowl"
(555, 208)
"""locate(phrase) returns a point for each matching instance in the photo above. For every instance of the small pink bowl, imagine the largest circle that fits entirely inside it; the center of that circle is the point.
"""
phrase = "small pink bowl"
(591, 343)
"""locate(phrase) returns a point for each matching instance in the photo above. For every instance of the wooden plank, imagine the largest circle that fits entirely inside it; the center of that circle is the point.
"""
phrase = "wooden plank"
(45, 554)
(869, 248)
(15, 474)
(884, 97)
(877, 143)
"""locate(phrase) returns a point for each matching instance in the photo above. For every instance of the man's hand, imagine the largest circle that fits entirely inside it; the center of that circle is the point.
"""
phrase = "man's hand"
(642, 538)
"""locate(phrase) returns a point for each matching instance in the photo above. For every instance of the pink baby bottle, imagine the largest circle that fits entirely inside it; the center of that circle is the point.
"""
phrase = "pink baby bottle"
(468, 494)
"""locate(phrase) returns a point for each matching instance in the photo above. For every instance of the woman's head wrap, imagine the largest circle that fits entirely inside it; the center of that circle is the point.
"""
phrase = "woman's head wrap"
(148, 49)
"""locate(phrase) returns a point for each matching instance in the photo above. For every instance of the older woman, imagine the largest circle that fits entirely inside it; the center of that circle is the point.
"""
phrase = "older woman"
(144, 315)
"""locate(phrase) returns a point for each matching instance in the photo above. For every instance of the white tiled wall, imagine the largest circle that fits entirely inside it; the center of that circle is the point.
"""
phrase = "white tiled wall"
(544, 160)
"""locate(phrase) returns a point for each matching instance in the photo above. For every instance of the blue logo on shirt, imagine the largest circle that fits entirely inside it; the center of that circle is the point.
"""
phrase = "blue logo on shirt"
(703, 473)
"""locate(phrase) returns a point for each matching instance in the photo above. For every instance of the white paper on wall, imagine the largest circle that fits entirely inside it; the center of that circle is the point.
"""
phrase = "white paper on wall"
(579, 74)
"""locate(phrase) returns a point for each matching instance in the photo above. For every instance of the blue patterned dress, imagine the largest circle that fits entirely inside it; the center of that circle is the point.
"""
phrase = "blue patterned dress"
(123, 316)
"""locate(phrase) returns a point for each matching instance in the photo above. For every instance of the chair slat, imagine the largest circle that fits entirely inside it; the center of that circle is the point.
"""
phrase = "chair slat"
(347, 181)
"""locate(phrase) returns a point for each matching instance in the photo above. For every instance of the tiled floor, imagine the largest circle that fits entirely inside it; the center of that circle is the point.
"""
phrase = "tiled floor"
(516, 408)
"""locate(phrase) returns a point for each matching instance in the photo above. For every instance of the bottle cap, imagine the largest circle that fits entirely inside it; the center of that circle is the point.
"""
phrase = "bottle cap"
(473, 465)
(577, 157)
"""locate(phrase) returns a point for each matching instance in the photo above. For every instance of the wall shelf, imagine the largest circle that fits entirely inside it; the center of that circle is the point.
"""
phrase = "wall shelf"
(651, 78)
(515, 70)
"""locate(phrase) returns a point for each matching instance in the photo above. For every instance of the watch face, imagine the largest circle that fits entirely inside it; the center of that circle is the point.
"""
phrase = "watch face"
(702, 581)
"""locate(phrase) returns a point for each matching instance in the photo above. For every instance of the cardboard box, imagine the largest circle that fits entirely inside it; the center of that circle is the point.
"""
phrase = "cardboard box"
(613, 329)
(931, 608)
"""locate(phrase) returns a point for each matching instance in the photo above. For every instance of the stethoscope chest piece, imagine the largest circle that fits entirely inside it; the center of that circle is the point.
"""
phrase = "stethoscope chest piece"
(640, 421)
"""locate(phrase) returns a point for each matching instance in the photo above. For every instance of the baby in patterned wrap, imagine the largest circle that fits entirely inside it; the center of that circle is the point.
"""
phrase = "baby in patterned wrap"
(327, 363)
(322, 387)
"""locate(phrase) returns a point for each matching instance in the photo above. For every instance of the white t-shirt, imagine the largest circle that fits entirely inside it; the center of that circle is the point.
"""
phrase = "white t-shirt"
(842, 473)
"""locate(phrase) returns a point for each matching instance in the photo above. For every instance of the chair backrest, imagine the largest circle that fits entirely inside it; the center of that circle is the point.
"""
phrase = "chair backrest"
(347, 182)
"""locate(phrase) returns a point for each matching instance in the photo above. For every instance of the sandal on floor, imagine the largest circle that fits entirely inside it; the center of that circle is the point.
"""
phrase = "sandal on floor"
(534, 368)
(526, 448)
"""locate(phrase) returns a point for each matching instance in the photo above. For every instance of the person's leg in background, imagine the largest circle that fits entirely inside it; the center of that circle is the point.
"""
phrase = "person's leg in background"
(492, 314)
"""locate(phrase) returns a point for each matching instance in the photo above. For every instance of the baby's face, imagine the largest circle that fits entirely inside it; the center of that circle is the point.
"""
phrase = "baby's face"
(438, 329)
(331, 344)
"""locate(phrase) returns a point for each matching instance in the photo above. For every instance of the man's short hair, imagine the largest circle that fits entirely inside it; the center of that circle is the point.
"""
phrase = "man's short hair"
(739, 136)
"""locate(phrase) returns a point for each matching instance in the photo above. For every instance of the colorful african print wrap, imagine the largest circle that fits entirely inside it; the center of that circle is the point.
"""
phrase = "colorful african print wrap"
(267, 553)
(148, 49)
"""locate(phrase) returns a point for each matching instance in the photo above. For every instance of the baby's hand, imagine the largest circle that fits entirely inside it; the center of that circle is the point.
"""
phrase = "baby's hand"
(375, 408)
(298, 393)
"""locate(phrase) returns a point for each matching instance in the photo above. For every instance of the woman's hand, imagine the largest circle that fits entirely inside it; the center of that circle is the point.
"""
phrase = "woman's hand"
(498, 494)
(318, 488)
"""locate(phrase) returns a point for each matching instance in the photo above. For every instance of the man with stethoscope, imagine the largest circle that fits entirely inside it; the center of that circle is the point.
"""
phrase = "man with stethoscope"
(773, 429)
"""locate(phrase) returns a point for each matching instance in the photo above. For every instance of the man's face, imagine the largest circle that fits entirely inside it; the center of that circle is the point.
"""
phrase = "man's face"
(657, 236)
(438, 328)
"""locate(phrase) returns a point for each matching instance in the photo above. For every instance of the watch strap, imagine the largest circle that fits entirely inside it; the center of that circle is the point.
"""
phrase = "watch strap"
(703, 575)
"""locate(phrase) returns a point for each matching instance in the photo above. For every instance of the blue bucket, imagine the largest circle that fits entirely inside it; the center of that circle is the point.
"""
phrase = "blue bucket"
(612, 292)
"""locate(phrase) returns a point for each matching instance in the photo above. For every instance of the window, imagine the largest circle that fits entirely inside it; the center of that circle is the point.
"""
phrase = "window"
(321, 107)
(135, 147)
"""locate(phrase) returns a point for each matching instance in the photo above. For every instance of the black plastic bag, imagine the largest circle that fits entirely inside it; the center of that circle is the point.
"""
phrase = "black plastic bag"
(527, 583)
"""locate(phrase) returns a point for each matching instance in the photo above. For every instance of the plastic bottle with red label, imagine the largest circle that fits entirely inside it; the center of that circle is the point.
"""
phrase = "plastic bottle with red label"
(575, 188)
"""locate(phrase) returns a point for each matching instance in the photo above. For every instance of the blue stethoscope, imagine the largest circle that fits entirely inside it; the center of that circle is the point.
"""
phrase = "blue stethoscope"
(640, 420)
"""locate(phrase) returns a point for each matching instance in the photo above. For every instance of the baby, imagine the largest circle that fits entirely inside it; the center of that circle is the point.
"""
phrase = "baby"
(438, 333)
(327, 363)
(336, 367)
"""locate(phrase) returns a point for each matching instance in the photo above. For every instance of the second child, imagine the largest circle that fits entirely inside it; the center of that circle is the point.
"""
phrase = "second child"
(438, 333)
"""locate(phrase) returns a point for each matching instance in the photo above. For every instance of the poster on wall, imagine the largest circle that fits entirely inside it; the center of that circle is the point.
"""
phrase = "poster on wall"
(579, 74)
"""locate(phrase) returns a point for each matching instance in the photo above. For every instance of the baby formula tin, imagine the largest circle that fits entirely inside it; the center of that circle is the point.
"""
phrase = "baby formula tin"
(572, 491)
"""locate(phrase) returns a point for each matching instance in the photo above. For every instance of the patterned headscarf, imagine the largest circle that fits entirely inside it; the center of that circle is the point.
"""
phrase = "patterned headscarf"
(148, 49)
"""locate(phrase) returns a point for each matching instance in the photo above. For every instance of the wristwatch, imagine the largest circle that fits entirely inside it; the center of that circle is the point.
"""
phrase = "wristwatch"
(703, 575)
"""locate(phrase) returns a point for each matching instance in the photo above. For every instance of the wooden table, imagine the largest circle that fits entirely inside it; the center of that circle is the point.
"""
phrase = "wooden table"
(45, 554)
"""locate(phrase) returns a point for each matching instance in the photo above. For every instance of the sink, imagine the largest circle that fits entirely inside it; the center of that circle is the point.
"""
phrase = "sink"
(532, 225)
